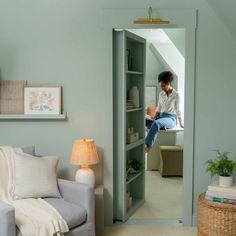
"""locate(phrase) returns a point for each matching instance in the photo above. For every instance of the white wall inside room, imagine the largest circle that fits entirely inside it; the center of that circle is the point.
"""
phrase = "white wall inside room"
(62, 42)
(177, 36)
(153, 68)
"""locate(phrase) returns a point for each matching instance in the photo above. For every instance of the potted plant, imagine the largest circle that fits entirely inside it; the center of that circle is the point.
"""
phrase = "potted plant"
(133, 167)
(224, 167)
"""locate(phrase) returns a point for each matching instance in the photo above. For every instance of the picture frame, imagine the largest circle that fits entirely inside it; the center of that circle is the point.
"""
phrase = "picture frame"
(42, 100)
(150, 96)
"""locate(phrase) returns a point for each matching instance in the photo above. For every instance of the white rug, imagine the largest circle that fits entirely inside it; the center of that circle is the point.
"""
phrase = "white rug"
(163, 198)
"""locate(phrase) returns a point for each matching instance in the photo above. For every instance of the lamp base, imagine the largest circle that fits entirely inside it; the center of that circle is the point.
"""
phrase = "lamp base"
(85, 175)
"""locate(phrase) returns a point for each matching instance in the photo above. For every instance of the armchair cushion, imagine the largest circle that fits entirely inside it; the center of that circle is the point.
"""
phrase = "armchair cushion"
(81, 195)
(74, 215)
(77, 208)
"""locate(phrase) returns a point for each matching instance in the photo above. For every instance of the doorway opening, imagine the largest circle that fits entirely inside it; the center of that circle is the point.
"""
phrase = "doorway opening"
(165, 51)
(162, 180)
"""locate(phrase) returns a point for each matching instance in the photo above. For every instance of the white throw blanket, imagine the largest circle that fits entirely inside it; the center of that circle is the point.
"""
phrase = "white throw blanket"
(34, 217)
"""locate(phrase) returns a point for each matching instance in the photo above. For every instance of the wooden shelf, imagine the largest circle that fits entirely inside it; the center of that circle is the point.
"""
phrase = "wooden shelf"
(132, 177)
(134, 72)
(134, 144)
(134, 109)
(33, 117)
(136, 203)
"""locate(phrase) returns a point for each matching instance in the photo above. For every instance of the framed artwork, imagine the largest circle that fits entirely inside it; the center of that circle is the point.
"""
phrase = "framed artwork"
(151, 96)
(42, 100)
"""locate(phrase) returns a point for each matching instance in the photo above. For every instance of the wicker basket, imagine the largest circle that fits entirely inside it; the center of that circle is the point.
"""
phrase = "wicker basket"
(216, 219)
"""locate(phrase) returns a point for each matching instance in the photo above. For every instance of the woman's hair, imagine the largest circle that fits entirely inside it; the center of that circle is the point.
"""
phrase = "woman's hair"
(166, 77)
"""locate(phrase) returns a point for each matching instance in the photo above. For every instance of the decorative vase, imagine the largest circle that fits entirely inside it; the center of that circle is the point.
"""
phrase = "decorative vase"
(134, 95)
(226, 181)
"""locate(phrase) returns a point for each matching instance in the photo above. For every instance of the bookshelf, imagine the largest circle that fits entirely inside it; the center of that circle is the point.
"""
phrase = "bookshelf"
(128, 71)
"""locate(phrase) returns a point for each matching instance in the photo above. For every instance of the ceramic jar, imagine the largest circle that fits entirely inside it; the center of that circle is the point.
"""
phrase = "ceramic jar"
(134, 96)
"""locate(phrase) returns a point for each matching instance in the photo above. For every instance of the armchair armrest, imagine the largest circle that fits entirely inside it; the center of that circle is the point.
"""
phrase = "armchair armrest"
(79, 194)
(7, 220)
(99, 210)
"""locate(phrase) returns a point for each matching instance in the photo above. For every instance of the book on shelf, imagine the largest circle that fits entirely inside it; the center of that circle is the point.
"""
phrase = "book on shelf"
(214, 187)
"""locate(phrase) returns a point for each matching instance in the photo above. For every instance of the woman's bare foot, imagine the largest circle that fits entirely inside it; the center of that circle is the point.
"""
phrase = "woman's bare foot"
(147, 148)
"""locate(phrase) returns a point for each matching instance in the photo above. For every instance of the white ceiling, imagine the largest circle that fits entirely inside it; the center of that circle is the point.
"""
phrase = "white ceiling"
(166, 36)
(154, 35)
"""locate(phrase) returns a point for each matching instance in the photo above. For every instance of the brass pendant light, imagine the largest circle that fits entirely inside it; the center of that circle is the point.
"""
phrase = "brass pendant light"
(151, 20)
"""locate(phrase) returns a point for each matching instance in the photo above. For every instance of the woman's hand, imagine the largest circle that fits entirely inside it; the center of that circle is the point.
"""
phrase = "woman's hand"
(156, 115)
(180, 122)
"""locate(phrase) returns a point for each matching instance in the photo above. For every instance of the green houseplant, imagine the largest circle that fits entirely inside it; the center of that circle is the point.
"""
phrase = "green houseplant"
(223, 167)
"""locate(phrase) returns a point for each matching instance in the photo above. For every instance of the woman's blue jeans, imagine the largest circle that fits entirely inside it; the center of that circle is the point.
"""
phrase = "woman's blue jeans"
(164, 120)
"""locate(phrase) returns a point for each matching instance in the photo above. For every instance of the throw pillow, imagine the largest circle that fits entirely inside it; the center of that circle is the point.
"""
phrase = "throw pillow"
(34, 177)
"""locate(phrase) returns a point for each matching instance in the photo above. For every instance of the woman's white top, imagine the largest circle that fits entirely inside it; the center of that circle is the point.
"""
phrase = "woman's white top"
(169, 104)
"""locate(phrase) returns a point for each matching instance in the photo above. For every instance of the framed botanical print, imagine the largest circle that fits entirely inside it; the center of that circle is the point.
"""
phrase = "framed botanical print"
(42, 100)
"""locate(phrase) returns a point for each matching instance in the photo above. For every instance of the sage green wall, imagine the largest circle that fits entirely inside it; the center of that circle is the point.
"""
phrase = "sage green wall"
(226, 12)
(215, 95)
(62, 42)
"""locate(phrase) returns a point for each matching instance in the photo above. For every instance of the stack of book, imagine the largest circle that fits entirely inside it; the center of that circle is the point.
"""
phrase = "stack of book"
(217, 193)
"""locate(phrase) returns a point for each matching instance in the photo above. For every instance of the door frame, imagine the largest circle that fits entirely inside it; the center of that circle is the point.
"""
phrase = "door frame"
(179, 18)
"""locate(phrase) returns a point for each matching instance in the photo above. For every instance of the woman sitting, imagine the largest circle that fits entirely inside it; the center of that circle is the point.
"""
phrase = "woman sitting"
(168, 109)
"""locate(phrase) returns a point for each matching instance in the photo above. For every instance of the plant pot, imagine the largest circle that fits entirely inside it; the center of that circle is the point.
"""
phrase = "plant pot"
(226, 181)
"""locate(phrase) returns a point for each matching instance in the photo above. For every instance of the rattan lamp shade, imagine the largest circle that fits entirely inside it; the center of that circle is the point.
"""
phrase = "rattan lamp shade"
(84, 152)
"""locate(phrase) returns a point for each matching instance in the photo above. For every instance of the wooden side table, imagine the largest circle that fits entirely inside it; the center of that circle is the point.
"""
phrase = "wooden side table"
(216, 219)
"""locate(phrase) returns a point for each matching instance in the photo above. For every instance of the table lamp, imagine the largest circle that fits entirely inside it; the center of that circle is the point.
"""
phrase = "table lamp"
(84, 153)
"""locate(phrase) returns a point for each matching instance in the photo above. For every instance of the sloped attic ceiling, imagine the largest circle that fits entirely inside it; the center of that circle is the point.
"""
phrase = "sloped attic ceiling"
(226, 11)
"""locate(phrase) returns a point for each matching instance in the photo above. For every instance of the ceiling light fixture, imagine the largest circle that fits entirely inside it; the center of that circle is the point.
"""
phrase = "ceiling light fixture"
(151, 20)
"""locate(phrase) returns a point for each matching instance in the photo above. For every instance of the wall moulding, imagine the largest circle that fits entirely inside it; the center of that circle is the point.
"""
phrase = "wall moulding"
(179, 18)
